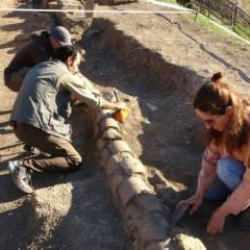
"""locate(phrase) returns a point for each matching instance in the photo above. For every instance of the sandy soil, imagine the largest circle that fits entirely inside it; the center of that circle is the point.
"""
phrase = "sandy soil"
(73, 211)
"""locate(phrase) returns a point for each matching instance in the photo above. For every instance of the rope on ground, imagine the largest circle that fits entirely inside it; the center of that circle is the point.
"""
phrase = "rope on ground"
(95, 11)
(176, 9)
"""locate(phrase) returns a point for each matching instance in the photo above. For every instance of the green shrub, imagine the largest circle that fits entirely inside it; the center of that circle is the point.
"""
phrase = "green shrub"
(183, 2)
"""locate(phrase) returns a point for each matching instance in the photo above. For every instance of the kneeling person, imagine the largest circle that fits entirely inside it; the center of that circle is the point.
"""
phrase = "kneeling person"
(41, 48)
(225, 167)
(41, 112)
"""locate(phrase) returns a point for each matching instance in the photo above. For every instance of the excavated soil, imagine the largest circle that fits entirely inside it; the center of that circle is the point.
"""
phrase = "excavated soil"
(156, 62)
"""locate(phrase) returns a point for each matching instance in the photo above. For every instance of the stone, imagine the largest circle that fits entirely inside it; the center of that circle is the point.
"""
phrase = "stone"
(154, 227)
(119, 147)
(132, 165)
(114, 183)
(102, 115)
(109, 123)
(131, 187)
(186, 242)
(129, 167)
(101, 144)
(112, 134)
(105, 156)
(50, 206)
(148, 202)
(113, 164)
(152, 107)
(160, 245)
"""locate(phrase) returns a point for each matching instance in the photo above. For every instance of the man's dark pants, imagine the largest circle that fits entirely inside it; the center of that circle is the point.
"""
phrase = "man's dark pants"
(62, 156)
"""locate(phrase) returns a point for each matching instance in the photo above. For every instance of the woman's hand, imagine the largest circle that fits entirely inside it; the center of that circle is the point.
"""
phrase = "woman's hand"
(194, 201)
(217, 221)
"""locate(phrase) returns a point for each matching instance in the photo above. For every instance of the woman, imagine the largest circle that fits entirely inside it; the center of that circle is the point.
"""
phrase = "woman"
(225, 168)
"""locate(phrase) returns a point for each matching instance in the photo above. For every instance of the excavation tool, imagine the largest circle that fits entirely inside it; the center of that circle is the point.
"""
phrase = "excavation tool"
(121, 114)
(179, 212)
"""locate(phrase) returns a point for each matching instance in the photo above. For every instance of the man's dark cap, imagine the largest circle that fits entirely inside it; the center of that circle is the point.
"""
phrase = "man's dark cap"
(61, 34)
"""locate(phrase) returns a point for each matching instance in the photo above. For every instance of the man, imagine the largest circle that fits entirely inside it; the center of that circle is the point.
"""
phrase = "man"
(40, 49)
(41, 112)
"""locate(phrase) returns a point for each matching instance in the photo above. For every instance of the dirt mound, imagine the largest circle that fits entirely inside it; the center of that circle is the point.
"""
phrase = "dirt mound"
(158, 63)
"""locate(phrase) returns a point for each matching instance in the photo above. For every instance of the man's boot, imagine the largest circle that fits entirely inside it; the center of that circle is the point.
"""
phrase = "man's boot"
(20, 176)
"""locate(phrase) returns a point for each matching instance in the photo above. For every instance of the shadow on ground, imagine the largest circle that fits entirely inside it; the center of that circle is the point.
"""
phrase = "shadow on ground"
(165, 122)
(162, 127)
(23, 27)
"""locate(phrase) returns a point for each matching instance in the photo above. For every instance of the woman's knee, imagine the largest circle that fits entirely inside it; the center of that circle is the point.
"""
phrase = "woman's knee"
(230, 171)
(223, 167)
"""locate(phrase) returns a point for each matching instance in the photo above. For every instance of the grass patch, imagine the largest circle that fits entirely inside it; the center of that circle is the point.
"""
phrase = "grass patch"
(242, 31)
(167, 1)
(205, 22)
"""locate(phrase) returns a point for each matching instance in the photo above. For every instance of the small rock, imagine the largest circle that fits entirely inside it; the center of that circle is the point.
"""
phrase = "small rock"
(50, 206)
(146, 121)
(186, 242)
(151, 107)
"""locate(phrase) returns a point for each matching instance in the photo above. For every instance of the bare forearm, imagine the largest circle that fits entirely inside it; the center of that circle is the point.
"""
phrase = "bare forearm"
(79, 91)
(239, 200)
(204, 181)
(208, 170)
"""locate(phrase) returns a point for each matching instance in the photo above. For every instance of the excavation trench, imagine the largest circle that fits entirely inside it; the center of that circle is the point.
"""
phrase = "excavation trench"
(162, 129)
(67, 212)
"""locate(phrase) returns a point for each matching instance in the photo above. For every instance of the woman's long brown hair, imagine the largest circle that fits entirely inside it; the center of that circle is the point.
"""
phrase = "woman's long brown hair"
(214, 97)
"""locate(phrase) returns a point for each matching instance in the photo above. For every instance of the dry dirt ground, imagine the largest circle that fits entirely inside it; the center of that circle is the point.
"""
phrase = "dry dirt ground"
(126, 52)
(161, 127)
(73, 211)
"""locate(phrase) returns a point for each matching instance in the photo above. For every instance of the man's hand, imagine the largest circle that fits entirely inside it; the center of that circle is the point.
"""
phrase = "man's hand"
(217, 221)
(120, 105)
(194, 201)
(113, 105)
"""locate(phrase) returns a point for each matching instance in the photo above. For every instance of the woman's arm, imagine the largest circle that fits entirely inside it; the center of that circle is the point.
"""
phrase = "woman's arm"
(239, 200)
(206, 177)
(208, 168)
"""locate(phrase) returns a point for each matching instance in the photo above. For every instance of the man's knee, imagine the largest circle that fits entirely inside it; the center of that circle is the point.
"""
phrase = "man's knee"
(75, 161)
(13, 80)
(20, 132)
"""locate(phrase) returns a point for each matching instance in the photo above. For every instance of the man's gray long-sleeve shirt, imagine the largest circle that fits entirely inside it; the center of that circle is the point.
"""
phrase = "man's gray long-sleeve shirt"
(44, 101)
